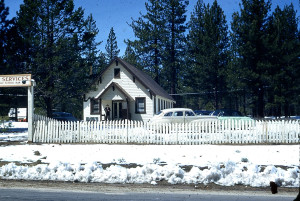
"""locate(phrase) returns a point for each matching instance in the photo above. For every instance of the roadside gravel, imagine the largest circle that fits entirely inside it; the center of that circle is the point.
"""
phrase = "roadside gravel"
(161, 187)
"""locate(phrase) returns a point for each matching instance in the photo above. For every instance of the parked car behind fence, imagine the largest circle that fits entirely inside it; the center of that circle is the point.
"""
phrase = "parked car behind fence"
(174, 115)
(63, 116)
(202, 112)
(224, 114)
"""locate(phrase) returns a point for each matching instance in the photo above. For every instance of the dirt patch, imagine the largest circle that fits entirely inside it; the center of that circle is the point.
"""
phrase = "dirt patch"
(8, 143)
(2, 163)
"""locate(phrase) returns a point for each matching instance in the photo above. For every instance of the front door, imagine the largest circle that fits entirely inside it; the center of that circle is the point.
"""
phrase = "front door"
(117, 110)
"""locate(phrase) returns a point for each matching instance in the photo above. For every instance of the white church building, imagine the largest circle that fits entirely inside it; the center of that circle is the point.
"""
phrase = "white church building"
(129, 93)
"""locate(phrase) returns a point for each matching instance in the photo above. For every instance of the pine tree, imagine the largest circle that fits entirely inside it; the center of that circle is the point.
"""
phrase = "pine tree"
(208, 51)
(284, 53)
(111, 47)
(54, 40)
(192, 57)
(91, 52)
(160, 41)
(150, 33)
(249, 27)
(5, 29)
(8, 61)
(130, 55)
(235, 79)
(174, 12)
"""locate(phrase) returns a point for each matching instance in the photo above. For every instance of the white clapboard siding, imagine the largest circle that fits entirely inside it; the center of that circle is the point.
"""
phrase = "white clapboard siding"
(48, 130)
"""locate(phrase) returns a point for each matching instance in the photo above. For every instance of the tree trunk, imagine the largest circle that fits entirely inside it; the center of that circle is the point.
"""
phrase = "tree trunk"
(48, 102)
(260, 102)
(156, 71)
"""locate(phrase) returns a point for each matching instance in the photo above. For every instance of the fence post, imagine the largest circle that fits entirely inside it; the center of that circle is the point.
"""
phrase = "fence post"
(126, 125)
(266, 130)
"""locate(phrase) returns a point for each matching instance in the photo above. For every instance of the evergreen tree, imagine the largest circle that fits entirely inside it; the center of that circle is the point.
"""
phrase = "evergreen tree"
(102, 62)
(174, 12)
(192, 57)
(130, 55)
(160, 41)
(5, 31)
(54, 38)
(8, 62)
(91, 52)
(112, 46)
(249, 27)
(284, 54)
(238, 95)
(208, 51)
(149, 29)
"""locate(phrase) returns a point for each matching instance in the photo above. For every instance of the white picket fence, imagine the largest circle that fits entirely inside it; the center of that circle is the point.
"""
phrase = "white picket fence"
(47, 130)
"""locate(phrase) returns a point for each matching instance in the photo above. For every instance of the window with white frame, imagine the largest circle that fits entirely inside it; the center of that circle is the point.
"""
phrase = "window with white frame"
(95, 106)
(140, 105)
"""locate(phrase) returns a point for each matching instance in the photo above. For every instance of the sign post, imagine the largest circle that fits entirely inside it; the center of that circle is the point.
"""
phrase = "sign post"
(30, 110)
(22, 80)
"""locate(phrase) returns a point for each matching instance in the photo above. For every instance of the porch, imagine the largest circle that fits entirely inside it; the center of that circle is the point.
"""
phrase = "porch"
(119, 109)
(118, 100)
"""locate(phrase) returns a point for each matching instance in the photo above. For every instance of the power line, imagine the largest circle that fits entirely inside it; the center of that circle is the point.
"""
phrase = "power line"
(199, 93)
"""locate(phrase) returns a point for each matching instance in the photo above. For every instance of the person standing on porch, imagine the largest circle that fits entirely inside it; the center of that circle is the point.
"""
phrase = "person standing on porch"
(107, 112)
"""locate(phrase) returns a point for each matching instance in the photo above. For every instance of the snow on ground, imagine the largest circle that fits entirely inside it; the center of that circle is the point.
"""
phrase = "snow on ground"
(227, 165)
(17, 131)
(13, 124)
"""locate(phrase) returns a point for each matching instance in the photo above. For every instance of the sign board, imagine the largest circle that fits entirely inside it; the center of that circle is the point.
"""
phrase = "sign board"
(22, 80)
(18, 80)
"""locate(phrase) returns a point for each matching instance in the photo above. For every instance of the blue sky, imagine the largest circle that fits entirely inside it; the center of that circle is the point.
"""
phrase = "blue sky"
(117, 13)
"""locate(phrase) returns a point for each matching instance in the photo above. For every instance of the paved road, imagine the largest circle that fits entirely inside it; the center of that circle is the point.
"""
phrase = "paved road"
(14, 194)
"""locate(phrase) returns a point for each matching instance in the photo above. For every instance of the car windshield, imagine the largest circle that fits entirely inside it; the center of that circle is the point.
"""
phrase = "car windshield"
(215, 113)
(168, 114)
(225, 113)
(158, 113)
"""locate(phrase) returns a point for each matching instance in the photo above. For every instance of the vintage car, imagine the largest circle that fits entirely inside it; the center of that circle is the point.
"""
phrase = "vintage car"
(174, 115)
(63, 116)
(224, 114)
(202, 112)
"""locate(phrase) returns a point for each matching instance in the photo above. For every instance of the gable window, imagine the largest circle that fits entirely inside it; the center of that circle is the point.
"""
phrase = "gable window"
(95, 106)
(117, 73)
(140, 105)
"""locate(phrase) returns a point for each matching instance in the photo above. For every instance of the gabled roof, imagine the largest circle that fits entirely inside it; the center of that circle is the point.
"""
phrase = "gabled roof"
(114, 84)
(143, 78)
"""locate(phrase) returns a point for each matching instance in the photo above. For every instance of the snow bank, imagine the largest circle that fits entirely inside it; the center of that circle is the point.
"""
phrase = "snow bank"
(253, 165)
(17, 131)
(227, 174)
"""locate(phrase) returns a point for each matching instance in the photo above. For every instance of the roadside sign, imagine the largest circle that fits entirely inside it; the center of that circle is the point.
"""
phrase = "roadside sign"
(18, 80)
(22, 80)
